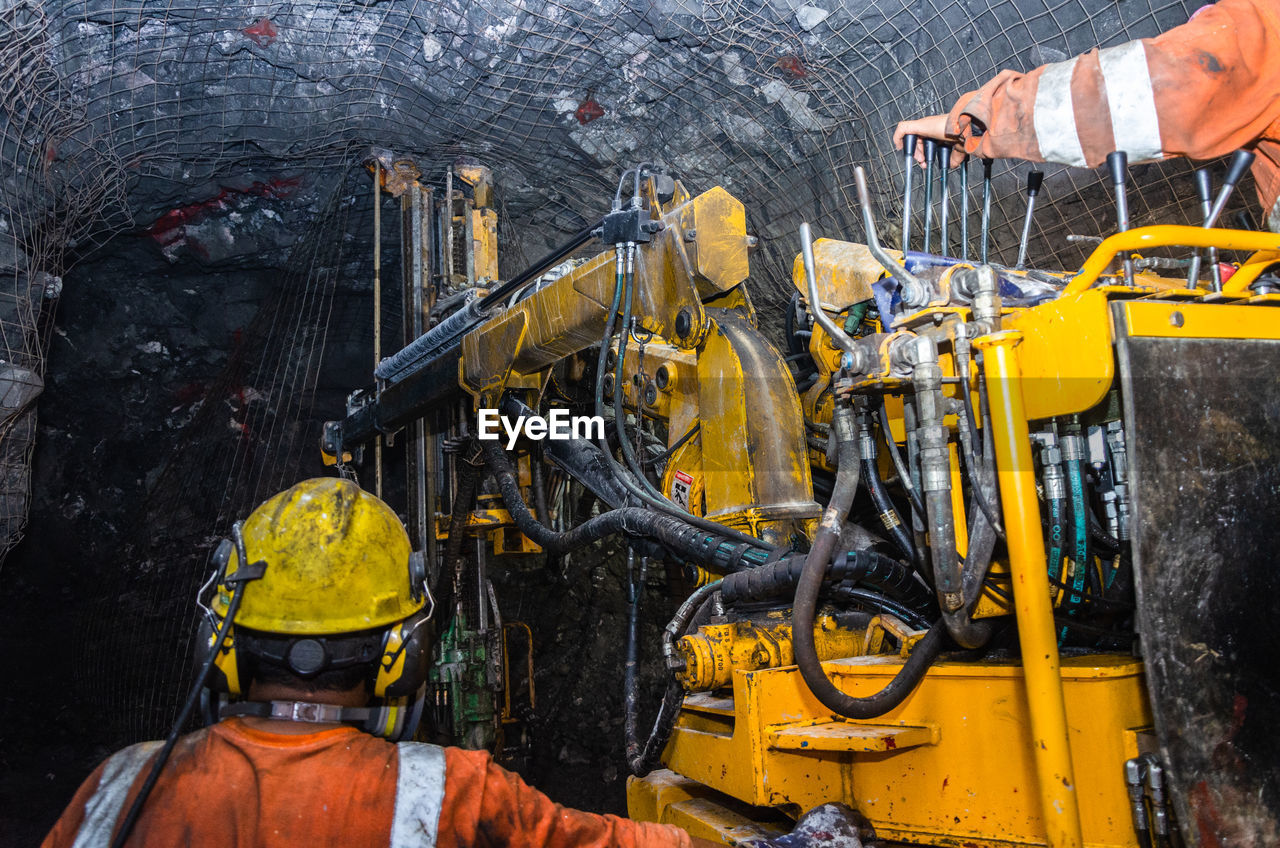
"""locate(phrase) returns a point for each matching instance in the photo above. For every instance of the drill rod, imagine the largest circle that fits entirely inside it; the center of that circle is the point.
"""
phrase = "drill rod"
(930, 153)
(986, 208)
(964, 208)
(1034, 180)
(944, 177)
(908, 164)
(1118, 163)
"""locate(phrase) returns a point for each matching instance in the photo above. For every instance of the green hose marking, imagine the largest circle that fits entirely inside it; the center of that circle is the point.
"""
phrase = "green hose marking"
(1075, 482)
(857, 313)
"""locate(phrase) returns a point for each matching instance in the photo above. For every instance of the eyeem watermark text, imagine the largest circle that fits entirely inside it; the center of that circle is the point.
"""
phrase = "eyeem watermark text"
(558, 425)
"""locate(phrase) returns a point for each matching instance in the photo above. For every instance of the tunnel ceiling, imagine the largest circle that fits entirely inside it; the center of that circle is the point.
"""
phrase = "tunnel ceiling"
(164, 162)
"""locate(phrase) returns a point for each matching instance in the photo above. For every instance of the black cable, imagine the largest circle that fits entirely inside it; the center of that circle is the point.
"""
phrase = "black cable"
(681, 442)
(188, 706)
(974, 468)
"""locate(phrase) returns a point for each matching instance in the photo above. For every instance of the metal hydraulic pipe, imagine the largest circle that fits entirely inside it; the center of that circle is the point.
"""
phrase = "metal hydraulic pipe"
(914, 292)
(908, 165)
(1059, 800)
(833, 330)
(1170, 235)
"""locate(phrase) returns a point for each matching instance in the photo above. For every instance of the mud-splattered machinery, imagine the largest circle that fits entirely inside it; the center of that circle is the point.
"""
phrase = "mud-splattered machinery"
(984, 554)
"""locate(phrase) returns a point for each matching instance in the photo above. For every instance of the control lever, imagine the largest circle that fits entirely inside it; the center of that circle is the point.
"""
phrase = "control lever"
(914, 292)
(944, 176)
(1034, 180)
(1240, 163)
(986, 208)
(1204, 188)
(930, 153)
(1118, 163)
(964, 208)
(908, 165)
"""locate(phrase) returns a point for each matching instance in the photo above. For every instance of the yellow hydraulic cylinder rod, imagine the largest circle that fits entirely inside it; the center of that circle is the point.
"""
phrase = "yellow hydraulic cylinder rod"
(1036, 632)
(1168, 235)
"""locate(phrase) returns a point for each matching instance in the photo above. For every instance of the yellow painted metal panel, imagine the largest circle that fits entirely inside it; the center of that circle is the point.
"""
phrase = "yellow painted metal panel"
(1200, 320)
(976, 786)
(846, 736)
(1066, 354)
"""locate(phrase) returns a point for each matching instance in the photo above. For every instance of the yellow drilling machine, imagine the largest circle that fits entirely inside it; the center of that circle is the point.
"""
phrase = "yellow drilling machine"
(983, 552)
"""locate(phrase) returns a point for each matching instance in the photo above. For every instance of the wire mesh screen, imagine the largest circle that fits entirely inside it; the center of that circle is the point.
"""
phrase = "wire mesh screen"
(254, 434)
(114, 112)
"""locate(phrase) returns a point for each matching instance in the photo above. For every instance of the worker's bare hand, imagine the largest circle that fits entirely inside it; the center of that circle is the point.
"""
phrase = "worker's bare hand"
(935, 127)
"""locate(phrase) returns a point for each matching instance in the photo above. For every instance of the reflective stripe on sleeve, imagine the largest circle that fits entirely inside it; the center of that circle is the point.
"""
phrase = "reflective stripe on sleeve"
(1055, 119)
(419, 795)
(102, 810)
(1132, 101)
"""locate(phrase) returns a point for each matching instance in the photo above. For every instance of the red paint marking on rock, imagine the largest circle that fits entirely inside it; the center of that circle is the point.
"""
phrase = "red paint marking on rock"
(262, 33)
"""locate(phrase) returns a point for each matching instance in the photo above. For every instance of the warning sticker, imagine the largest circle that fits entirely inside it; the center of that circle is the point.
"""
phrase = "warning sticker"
(681, 488)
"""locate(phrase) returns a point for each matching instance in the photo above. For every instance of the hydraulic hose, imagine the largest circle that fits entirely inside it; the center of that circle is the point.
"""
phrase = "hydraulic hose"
(1073, 460)
(861, 568)
(642, 758)
(904, 477)
(806, 598)
(879, 496)
(680, 537)
(464, 494)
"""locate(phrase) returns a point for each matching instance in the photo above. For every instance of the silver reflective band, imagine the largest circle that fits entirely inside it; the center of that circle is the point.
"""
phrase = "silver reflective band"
(304, 711)
(103, 807)
(1055, 118)
(1132, 101)
(419, 795)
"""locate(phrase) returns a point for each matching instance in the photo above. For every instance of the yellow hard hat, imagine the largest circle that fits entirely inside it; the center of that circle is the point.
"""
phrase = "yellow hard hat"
(337, 561)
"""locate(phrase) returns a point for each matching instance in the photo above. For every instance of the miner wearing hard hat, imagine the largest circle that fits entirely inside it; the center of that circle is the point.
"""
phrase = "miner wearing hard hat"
(1200, 90)
(315, 642)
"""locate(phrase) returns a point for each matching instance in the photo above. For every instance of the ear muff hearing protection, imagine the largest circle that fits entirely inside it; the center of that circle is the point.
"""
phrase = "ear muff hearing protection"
(341, 589)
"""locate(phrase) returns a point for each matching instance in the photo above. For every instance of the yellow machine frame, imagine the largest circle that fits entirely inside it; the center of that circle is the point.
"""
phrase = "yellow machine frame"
(981, 754)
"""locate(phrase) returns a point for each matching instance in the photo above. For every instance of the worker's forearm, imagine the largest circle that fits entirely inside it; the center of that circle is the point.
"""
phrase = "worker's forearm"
(1200, 90)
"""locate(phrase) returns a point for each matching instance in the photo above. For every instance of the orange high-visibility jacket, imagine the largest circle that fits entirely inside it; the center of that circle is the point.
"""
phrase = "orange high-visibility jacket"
(233, 785)
(1204, 89)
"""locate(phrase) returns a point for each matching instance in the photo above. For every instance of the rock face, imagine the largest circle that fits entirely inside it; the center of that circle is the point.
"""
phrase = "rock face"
(182, 165)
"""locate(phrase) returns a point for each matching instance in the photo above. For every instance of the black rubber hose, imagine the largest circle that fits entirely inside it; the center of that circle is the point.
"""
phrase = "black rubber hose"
(904, 477)
(888, 512)
(464, 494)
(677, 536)
(539, 486)
(862, 568)
(642, 758)
(806, 600)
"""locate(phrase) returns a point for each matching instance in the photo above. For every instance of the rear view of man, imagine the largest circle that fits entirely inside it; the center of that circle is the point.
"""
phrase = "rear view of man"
(323, 666)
